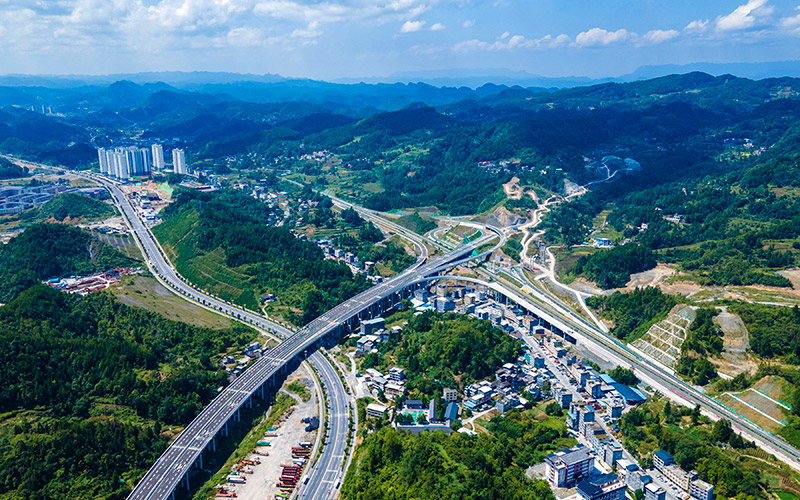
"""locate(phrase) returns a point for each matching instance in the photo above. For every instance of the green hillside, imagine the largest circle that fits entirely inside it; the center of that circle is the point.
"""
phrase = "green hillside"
(93, 390)
(47, 251)
(74, 206)
(219, 242)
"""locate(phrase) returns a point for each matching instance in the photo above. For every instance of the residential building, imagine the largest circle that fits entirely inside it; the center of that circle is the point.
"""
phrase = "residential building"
(376, 410)
(563, 469)
(102, 158)
(625, 468)
(370, 325)
(637, 480)
(562, 396)
(661, 459)
(679, 476)
(507, 403)
(701, 490)
(602, 487)
(179, 162)
(394, 390)
(445, 304)
(158, 156)
(450, 395)
(653, 492)
(612, 451)
(397, 374)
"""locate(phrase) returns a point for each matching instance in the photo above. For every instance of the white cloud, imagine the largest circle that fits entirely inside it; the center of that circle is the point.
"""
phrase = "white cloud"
(744, 16)
(507, 41)
(697, 26)
(310, 31)
(599, 36)
(791, 21)
(438, 27)
(469, 23)
(412, 26)
(659, 36)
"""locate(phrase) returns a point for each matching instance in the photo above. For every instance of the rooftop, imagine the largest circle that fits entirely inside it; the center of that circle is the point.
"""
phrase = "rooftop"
(570, 456)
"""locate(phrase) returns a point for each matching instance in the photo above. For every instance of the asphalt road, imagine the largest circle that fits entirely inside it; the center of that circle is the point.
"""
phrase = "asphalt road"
(167, 473)
(169, 469)
(650, 372)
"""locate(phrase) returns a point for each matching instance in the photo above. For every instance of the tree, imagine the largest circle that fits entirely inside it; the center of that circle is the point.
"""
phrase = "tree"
(624, 376)
(722, 431)
(554, 409)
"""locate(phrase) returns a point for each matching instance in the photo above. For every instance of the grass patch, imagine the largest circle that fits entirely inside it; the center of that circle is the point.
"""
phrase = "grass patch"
(300, 389)
(147, 293)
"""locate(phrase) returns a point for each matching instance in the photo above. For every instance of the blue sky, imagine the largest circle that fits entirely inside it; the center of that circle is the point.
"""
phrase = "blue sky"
(352, 38)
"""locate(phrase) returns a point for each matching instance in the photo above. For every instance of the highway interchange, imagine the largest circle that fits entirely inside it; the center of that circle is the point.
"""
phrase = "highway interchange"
(325, 478)
(171, 468)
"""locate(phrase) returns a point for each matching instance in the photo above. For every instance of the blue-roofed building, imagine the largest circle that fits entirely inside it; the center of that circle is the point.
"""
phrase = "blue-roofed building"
(661, 459)
(606, 378)
(631, 395)
(451, 412)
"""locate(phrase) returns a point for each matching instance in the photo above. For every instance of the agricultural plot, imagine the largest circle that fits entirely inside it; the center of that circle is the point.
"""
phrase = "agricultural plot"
(664, 339)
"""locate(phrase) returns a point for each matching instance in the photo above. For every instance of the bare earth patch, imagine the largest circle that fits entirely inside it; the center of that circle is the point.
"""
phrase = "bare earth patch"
(736, 340)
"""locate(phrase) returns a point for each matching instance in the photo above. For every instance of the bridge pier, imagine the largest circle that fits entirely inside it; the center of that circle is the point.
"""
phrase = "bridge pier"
(238, 414)
(186, 476)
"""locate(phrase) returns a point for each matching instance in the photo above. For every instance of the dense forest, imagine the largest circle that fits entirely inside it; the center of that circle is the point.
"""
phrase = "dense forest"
(613, 268)
(47, 251)
(88, 383)
(774, 330)
(9, 170)
(437, 349)
(397, 465)
(250, 258)
(632, 313)
(73, 206)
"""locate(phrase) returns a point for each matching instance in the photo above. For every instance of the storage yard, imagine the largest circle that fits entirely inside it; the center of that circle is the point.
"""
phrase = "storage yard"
(273, 469)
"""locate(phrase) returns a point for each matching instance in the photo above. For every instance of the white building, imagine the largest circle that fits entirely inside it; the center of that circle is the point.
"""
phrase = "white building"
(376, 410)
(102, 157)
(158, 156)
(179, 162)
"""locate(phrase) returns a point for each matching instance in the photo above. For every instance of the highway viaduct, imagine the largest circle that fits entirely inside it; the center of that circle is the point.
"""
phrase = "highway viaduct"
(173, 467)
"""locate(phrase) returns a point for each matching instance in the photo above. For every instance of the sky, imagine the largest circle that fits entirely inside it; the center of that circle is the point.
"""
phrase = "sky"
(332, 39)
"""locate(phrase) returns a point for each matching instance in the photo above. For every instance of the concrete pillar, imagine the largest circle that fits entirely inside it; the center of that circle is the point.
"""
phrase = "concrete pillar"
(200, 459)
(187, 480)
(214, 444)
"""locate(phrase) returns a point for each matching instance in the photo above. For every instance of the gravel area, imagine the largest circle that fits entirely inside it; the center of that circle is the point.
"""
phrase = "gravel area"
(261, 484)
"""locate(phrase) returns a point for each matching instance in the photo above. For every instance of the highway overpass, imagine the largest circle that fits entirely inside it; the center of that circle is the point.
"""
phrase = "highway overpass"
(172, 468)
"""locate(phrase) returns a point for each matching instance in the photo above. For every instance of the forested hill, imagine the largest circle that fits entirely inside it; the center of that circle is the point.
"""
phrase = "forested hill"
(47, 251)
(86, 385)
(9, 170)
(221, 242)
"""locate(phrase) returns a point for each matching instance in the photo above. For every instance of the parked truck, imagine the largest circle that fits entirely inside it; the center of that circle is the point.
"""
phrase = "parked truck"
(236, 479)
